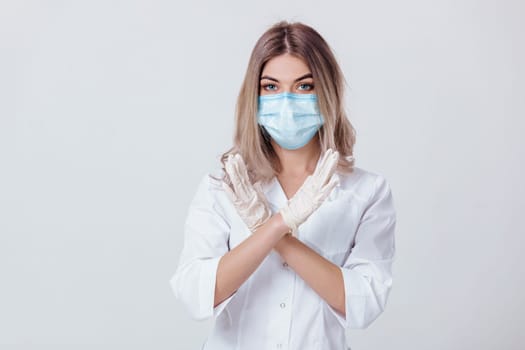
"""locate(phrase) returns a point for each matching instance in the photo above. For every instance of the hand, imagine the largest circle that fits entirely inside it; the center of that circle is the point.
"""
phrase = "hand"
(312, 193)
(248, 199)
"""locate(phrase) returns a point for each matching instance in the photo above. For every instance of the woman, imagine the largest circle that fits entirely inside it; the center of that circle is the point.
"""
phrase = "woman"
(288, 244)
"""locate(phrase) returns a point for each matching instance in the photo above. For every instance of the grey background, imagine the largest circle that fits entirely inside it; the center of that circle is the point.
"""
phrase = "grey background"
(111, 111)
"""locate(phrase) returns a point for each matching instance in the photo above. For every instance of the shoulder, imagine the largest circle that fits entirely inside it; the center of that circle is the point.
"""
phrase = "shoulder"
(210, 194)
(360, 178)
(364, 183)
(210, 182)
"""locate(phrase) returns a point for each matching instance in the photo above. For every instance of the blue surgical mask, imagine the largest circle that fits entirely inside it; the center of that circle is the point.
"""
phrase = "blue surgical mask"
(290, 119)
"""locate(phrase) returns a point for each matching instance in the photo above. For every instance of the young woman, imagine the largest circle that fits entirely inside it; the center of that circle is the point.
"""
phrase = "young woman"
(288, 244)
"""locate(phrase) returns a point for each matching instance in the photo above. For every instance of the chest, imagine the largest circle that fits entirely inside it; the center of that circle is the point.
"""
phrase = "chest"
(290, 185)
(330, 230)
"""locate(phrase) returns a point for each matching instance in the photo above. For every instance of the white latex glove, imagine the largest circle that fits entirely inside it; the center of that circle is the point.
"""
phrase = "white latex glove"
(312, 193)
(248, 199)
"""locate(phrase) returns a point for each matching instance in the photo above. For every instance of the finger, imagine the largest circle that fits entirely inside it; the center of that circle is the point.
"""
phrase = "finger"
(238, 187)
(320, 165)
(260, 193)
(234, 175)
(328, 167)
(258, 186)
(244, 184)
(228, 163)
(241, 165)
(333, 161)
(328, 188)
(228, 167)
(231, 195)
(324, 158)
(334, 181)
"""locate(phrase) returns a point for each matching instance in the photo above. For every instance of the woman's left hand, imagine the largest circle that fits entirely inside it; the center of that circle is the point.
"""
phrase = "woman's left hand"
(248, 199)
(312, 192)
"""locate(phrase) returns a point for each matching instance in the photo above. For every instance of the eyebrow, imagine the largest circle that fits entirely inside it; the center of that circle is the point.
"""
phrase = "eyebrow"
(307, 75)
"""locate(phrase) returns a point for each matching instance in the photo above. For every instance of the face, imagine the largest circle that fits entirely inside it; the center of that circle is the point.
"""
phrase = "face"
(286, 73)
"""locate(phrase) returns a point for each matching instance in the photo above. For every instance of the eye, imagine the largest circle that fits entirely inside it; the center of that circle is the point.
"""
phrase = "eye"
(269, 87)
(305, 87)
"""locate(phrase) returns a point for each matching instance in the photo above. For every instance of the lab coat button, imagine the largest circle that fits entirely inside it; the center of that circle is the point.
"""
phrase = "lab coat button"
(283, 305)
(285, 264)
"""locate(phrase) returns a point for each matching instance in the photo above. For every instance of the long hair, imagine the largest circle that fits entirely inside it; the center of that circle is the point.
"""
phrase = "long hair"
(251, 140)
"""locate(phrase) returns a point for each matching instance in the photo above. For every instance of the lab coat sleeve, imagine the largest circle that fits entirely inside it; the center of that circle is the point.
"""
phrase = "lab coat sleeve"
(206, 233)
(367, 271)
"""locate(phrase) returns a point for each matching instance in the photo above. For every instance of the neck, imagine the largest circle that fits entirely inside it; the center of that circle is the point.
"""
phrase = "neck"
(297, 163)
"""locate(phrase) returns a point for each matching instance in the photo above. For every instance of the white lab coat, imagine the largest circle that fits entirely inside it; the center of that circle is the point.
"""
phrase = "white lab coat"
(274, 308)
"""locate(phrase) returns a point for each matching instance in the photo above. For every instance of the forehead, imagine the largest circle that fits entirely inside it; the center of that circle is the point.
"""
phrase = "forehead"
(285, 67)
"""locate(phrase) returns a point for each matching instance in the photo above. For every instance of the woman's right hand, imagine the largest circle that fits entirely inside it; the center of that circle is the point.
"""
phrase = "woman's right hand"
(248, 199)
(312, 193)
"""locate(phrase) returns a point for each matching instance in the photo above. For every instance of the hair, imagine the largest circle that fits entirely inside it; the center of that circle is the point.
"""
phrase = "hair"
(251, 140)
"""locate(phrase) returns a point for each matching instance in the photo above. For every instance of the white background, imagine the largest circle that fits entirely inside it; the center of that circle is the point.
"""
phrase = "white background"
(111, 111)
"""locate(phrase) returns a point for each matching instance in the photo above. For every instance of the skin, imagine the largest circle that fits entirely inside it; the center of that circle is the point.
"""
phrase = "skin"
(285, 73)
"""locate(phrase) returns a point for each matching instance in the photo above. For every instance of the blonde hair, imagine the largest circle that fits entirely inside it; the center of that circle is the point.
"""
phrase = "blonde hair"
(251, 140)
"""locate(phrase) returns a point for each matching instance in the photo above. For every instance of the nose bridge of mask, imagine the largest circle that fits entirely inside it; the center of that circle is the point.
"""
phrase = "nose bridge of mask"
(287, 110)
